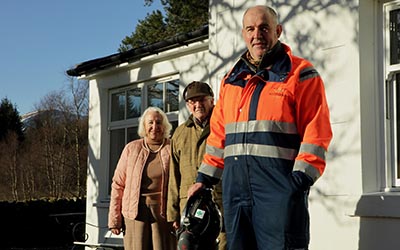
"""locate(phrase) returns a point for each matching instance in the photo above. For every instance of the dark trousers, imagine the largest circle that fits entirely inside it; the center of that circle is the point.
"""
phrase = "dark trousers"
(263, 209)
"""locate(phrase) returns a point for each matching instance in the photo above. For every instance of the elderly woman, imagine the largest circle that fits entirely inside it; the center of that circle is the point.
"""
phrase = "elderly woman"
(139, 187)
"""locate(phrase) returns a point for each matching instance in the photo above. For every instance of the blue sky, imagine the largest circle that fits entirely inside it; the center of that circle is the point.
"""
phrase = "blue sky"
(41, 39)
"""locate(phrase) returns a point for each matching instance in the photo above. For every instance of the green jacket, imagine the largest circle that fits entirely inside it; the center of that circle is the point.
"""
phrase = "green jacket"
(188, 146)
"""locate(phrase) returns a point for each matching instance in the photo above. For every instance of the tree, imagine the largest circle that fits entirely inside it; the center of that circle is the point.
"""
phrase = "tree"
(11, 135)
(46, 156)
(181, 17)
(10, 120)
(9, 163)
(148, 31)
(51, 134)
(60, 132)
(186, 16)
(78, 107)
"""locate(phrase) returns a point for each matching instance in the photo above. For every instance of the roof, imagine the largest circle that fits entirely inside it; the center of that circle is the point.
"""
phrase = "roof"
(135, 54)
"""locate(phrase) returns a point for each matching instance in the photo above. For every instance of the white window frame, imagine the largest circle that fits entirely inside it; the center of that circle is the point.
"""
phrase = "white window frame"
(392, 104)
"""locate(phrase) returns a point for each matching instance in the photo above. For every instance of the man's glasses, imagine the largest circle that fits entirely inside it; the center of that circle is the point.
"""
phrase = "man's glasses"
(198, 99)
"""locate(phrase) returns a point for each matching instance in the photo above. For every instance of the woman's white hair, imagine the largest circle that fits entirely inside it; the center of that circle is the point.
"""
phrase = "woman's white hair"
(165, 123)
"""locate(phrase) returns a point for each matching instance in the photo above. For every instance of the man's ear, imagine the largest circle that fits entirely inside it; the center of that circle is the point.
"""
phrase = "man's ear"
(278, 30)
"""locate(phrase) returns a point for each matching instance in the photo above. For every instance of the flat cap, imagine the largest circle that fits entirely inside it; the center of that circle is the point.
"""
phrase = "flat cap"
(196, 89)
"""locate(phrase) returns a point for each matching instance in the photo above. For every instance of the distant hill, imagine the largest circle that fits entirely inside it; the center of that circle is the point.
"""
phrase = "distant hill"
(30, 120)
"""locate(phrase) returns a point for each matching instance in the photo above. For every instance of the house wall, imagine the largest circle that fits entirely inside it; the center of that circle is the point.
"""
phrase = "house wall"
(189, 62)
(348, 206)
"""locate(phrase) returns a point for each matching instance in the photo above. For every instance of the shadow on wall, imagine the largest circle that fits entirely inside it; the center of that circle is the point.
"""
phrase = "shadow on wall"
(100, 173)
(305, 31)
(306, 42)
(309, 28)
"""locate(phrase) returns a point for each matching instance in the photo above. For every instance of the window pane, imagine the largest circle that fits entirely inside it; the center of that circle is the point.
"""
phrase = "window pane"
(394, 36)
(118, 106)
(155, 95)
(397, 125)
(134, 103)
(117, 143)
(174, 126)
(172, 99)
(132, 134)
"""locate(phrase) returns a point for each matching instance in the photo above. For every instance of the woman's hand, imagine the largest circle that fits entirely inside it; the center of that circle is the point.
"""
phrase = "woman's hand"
(116, 231)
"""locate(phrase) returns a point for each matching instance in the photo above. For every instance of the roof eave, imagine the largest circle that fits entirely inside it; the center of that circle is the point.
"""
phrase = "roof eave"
(134, 54)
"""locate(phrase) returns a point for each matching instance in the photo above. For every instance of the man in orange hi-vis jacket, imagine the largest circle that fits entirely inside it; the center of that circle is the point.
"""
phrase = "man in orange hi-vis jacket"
(270, 131)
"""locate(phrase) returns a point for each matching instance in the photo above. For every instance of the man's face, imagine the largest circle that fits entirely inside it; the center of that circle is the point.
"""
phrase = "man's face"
(260, 31)
(200, 106)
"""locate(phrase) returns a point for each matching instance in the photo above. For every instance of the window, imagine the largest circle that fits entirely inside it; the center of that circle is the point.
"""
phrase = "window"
(392, 91)
(128, 103)
(164, 95)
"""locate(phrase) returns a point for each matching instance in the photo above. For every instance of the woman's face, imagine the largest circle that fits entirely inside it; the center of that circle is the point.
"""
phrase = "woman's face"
(153, 126)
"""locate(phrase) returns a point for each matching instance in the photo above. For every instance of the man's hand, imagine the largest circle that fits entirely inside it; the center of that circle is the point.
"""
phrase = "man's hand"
(195, 188)
(175, 225)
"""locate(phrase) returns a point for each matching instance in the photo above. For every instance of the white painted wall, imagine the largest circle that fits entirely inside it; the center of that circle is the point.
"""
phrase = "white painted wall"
(349, 206)
(343, 39)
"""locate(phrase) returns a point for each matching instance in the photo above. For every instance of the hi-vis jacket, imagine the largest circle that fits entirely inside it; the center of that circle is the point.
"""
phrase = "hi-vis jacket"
(276, 115)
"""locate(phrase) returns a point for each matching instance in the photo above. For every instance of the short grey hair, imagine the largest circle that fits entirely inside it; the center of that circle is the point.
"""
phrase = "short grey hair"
(268, 9)
(165, 123)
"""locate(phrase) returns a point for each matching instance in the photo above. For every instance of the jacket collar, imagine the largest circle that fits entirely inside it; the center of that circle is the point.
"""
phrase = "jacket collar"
(275, 65)
(191, 121)
(206, 130)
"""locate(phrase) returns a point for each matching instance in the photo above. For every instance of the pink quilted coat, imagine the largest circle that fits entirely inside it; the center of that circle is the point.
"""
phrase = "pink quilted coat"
(127, 178)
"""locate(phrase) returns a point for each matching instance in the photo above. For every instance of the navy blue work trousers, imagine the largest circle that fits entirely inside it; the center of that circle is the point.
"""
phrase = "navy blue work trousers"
(263, 209)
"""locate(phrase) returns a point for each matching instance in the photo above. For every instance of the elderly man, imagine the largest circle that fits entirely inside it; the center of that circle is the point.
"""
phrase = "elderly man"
(188, 146)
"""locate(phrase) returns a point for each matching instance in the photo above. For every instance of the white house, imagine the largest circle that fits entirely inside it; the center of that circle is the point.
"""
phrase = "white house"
(355, 45)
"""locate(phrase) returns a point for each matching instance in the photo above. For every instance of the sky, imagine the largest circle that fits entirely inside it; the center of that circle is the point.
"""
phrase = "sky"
(41, 39)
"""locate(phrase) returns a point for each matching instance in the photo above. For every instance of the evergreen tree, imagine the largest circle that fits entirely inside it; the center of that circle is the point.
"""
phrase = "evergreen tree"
(186, 16)
(150, 30)
(10, 120)
(181, 17)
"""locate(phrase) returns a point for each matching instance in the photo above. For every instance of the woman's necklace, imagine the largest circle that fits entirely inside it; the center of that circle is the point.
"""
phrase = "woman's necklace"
(153, 151)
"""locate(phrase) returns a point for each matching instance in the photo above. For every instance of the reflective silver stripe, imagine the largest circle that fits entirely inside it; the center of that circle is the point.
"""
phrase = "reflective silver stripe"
(308, 73)
(210, 170)
(214, 151)
(313, 149)
(260, 150)
(307, 168)
(261, 126)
